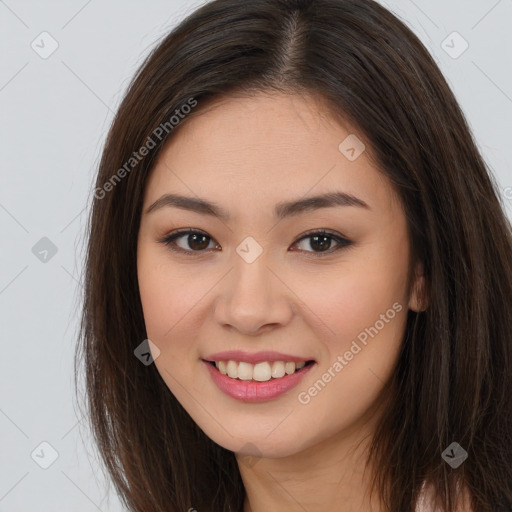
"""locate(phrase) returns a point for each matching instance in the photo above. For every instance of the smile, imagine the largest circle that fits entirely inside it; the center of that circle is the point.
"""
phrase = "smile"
(258, 382)
(260, 372)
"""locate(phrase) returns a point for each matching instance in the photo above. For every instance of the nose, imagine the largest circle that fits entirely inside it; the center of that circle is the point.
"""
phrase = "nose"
(252, 299)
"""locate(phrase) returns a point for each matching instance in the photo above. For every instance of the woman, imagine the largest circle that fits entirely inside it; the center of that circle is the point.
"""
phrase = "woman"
(299, 277)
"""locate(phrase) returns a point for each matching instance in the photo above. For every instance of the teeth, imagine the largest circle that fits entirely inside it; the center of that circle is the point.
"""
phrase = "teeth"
(289, 368)
(232, 369)
(260, 372)
(277, 369)
(221, 365)
(245, 371)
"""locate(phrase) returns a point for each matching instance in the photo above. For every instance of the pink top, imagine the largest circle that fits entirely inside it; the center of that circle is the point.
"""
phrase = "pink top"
(426, 501)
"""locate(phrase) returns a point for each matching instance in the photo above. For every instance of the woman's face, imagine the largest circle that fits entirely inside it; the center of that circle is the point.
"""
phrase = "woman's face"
(258, 278)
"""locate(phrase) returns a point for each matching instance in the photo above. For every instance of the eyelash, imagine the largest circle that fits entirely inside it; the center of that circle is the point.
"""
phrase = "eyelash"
(170, 239)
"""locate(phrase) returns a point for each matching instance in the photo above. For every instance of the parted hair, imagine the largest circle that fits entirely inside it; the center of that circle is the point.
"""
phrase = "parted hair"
(453, 377)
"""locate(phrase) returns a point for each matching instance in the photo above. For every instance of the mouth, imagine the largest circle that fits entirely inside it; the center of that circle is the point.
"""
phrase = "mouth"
(260, 372)
(260, 382)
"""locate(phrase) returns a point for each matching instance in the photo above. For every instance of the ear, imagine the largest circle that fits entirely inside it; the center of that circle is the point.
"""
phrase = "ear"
(418, 300)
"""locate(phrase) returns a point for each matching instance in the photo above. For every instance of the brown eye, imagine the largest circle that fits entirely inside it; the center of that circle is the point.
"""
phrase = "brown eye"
(197, 242)
(321, 242)
(190, 240)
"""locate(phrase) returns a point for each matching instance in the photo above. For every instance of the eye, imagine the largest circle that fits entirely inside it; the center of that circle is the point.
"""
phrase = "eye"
(196, 241)
(321, 242)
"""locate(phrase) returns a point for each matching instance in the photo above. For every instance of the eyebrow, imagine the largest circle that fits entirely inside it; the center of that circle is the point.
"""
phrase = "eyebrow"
(282, 210)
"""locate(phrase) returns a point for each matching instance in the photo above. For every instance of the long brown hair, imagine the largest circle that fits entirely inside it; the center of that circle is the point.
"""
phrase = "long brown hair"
(453, 378)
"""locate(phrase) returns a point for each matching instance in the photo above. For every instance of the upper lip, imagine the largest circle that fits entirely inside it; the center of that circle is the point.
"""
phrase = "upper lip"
(256, 357)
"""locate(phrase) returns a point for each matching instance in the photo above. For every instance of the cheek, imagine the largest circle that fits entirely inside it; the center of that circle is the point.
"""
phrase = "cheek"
(366, 316)
(356, 298)
(167, 297)
(160, 304)
(170, 306)
(364, 306)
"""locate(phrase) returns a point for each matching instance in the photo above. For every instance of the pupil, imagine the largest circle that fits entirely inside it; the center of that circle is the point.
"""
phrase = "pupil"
(323, 246)
(192, 239)
(322, 242)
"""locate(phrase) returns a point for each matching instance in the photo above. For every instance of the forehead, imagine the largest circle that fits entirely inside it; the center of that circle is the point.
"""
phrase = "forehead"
(241, 123)
(266, 146)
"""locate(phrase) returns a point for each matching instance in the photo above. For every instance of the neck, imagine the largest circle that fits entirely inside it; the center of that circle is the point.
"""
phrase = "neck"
(329, 475)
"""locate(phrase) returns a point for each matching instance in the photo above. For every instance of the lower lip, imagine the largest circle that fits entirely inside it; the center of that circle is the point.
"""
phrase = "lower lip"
(253, 391)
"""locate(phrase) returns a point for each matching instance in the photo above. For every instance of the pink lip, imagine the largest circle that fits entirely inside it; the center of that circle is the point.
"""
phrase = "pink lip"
(258, 357)
(253, 391)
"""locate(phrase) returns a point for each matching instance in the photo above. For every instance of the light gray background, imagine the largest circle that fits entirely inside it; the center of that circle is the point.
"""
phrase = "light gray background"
(55, 115)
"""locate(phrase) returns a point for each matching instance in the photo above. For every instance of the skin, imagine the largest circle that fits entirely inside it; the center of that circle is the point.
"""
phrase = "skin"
(246, 154)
